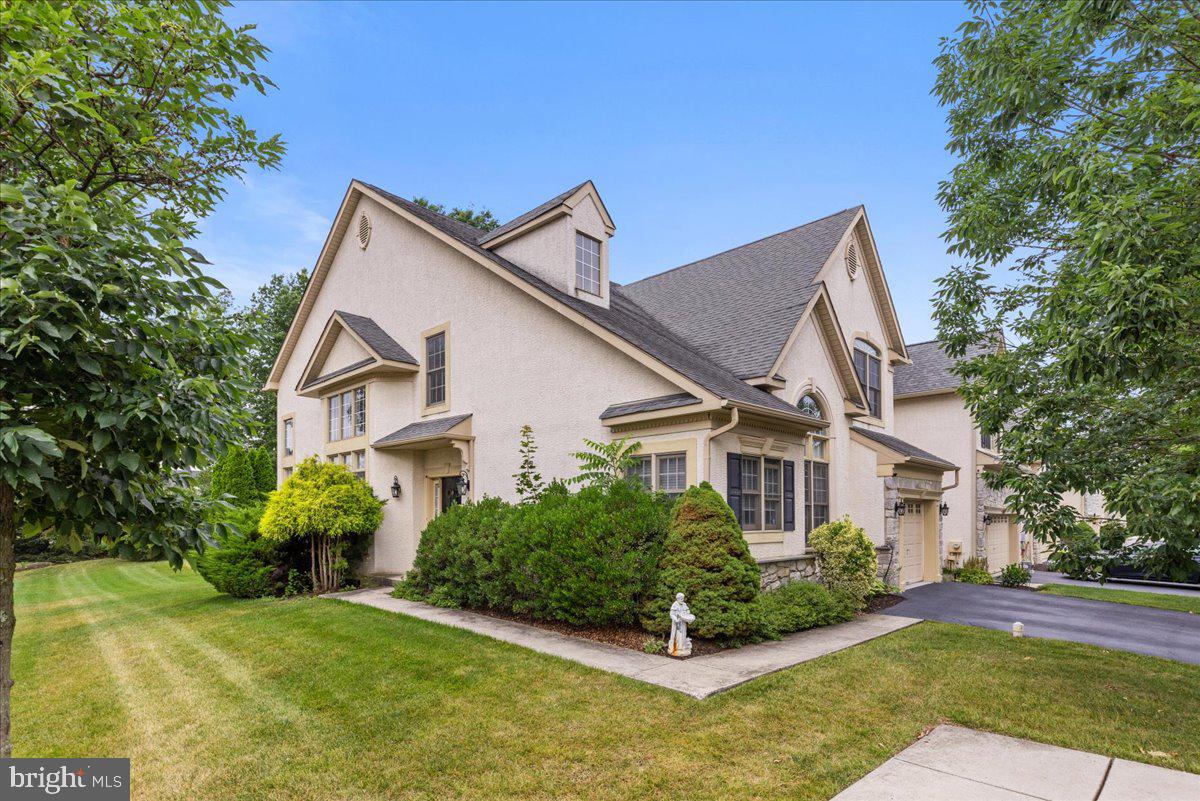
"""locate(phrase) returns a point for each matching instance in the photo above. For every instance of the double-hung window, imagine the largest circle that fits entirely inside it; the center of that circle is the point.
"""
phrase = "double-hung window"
(816, 481)
(868, 368)
(289, 436)
(762, 493)
(347, 414)
(435, 369)
(661, 472)
(587, 263)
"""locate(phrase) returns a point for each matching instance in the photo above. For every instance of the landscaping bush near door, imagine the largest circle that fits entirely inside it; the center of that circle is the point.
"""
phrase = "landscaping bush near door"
(803, 605)
(1015, 576)
(845, 558)
(975, 571)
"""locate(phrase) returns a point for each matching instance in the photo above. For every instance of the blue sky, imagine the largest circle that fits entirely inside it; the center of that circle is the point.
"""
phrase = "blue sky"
(703, 126)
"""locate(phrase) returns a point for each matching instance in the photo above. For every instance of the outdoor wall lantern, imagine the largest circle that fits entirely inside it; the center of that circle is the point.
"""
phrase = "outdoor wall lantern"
(987, 520)
(464, 483)
(395, 486)
(899, 507)
(944, 508)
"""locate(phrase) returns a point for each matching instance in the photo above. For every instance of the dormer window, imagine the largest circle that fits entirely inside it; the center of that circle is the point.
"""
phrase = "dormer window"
(587, 264)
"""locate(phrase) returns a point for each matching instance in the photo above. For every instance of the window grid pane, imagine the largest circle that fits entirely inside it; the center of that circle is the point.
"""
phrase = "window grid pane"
(751, 496)
(289, 437)
(360, 411)
(772, 493)
(435, 369)
(347, 415)
(640, 472)
(672, 473)
(335, 418)
(587, 263)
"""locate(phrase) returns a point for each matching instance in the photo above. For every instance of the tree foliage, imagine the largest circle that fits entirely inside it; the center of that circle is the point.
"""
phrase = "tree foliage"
(602, 463)
(1073, 204)
(482, 219)
(267, 318)
(330, 507)
(247, 475)
(529, 479)
(119, 373)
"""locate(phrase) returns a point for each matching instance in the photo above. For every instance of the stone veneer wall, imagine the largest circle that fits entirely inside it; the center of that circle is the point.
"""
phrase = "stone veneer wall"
(774, 573)
(985, 497)
(889, 553)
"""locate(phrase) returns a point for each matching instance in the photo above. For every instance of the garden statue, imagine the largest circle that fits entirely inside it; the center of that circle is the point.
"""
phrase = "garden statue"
(680, 644)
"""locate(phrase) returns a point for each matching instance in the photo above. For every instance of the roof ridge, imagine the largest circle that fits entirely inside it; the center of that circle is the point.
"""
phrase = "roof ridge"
(746, 244)
(532, 213)
(934, 341)
(447, 217)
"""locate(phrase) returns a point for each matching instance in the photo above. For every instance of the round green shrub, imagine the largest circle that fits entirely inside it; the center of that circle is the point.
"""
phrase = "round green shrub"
(456, 557)
(845, 558)
(243, 568)
(802, 605)
(974, 575)
(706, 558)
(585, 558)
(1015, 576)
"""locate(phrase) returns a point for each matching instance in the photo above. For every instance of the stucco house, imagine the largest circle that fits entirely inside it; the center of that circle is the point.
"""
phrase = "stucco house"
(422, 345)
(930, 412)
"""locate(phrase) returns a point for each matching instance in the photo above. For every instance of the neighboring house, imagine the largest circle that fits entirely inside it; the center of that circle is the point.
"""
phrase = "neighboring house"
(931, 413)
(422, 345)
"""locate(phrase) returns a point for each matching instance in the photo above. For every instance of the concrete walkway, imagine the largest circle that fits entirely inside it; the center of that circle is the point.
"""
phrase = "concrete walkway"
(699, 676)
(953, 763)
(1122, 627)
(1047, 577)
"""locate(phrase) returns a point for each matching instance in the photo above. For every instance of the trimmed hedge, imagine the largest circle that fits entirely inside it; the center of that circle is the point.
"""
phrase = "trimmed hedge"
(585, 558)
(803, 605)
(706, 558)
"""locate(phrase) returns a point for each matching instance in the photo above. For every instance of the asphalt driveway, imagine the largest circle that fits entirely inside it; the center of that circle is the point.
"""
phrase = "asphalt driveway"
(1157, 632)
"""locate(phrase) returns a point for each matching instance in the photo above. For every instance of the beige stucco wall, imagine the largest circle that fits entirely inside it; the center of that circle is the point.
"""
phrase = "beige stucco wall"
(345, 351)
(942, 425)
(512, 361)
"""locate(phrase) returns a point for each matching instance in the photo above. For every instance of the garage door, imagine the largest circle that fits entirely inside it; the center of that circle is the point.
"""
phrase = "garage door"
(912, 543)
(998, 554)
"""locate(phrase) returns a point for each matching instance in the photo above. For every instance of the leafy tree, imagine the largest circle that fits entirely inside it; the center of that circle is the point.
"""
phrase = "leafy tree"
(266, 318)
(529, 480)
(263, 465)
(706, 558)
(330, 507)
(605, 462)
(1074, 207)
(482, 219)
(119, 372)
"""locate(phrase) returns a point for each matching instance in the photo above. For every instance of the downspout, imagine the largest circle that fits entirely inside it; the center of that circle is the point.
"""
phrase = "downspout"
(957, 470)
(708, 437)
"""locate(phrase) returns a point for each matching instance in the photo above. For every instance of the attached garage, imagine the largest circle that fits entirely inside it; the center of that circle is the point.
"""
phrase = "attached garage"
(912, 543)
(1000, 536)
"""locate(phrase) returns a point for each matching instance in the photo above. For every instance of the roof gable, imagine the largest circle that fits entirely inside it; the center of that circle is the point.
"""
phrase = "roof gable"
(358, 338)
(739, 307)
(543, 213)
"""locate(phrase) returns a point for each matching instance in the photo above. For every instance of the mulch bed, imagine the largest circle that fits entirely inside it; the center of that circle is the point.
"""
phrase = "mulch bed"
(621, 636)
(877, 603)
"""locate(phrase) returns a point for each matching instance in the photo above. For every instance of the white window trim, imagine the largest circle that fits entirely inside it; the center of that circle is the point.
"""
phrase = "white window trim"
(761, 529)
(579, 266)
(654, 466)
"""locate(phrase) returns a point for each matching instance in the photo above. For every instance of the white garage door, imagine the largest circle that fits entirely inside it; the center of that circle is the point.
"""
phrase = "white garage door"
(912, 543)
(998, 555)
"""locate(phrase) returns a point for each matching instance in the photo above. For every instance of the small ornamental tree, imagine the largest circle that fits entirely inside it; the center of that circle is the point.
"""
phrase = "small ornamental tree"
(330, 507)
(262, 464)
(605, 462)
(233, 475)
(529, 480)
(706, 558)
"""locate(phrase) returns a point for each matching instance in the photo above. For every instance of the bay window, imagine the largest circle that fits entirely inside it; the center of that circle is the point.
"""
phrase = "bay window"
(347, 414)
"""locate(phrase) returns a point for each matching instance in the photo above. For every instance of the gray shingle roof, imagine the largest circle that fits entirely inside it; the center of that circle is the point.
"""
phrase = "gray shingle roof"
(518, 221)
(376, 338)
(649, 405)
(930, 369)
(321, 379)
(422, 429)
(624, 318)
(900, 446)
(739, 307)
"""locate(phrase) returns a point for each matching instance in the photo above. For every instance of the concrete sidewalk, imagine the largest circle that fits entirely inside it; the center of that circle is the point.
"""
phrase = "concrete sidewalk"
(699, 676)
(953, 763)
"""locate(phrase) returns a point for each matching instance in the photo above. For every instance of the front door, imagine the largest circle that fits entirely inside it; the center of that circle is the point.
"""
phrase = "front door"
(448, 494)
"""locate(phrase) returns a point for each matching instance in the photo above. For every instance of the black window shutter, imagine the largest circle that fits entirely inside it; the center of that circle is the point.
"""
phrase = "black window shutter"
(733, 484)
(789, 496)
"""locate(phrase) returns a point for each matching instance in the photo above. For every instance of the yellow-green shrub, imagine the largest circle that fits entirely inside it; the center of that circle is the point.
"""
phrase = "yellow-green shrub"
(845, 558)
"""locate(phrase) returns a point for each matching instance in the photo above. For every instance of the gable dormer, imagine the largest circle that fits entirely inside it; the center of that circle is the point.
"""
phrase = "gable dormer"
(564, 241)
(352, 347)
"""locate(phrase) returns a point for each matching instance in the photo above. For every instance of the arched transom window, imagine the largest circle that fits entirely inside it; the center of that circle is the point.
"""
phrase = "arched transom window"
(810, 406)
(867, 365)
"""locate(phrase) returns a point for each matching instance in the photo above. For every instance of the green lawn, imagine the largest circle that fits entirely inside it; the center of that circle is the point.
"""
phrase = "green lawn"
(1180, 603)
(312, 699)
